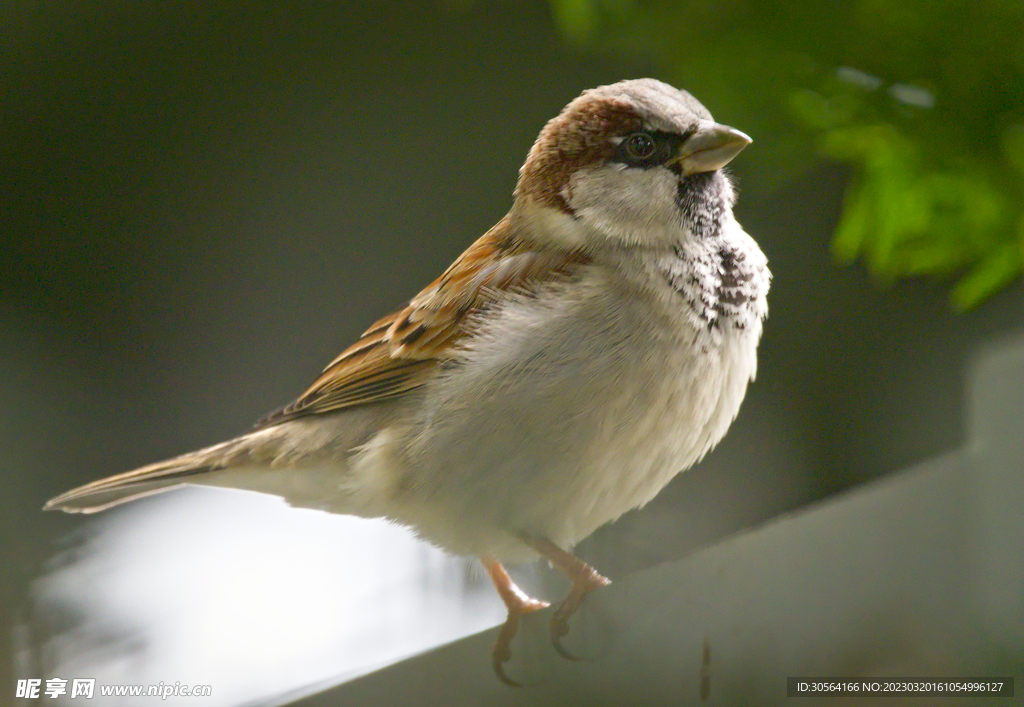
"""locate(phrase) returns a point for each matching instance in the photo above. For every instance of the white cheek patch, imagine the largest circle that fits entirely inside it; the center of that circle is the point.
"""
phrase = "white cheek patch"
(636, 206)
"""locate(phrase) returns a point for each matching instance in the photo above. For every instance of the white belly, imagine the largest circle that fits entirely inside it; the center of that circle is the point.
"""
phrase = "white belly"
(565, 415)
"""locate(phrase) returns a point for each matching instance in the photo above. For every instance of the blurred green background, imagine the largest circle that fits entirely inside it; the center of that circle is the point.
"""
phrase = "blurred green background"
(203, 203)
(923, 100)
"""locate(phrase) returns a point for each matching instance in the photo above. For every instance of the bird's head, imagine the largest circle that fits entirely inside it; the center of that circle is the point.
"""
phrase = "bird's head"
(635, 163)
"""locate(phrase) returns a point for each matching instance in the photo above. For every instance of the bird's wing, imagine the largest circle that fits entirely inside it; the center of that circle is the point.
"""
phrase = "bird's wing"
(401, 352)
(396, 355)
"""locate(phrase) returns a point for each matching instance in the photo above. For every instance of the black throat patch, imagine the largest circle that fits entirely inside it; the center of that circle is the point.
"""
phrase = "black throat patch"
(702, 202)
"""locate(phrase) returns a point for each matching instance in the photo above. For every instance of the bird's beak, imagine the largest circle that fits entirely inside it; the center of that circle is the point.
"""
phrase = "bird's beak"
(710, 148)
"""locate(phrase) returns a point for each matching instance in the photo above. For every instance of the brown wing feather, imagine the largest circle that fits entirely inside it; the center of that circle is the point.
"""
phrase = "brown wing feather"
(400, 352)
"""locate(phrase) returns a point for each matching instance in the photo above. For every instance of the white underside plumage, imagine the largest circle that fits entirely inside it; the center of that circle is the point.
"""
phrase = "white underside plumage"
(559, 414)
(566, 411)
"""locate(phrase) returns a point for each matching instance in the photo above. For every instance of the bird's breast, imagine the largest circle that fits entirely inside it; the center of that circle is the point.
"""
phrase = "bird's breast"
(720, 283)
(567, 409)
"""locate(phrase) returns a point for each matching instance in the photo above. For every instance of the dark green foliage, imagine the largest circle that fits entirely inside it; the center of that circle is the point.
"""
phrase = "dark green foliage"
(923, 99)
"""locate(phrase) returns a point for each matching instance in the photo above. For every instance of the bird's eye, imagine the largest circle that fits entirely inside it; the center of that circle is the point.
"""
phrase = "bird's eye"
(639, 147)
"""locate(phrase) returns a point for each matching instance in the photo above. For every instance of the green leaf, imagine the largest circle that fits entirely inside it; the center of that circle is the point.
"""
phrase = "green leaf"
(993, 273)
(930, 256)
(854, 225)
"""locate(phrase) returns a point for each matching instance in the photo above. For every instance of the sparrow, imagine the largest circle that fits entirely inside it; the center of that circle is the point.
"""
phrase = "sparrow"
(594, 343)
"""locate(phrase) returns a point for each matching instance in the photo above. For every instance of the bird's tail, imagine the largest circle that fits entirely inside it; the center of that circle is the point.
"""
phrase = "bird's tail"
(147, 480)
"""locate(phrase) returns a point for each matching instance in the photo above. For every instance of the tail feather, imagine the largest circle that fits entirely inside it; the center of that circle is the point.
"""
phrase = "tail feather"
(144, 481)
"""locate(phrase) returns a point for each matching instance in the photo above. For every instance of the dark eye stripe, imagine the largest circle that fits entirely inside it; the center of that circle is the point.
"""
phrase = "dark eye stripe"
(647, 148)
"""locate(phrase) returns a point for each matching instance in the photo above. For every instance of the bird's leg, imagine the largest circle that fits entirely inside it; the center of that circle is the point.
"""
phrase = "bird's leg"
(584, 579)
(518, 603)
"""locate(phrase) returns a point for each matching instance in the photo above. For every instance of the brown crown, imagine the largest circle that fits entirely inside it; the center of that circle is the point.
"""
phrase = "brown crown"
(576, 137)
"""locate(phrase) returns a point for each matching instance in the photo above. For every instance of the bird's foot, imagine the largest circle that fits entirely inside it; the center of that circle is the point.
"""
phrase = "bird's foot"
(582, 584)
(502, 646)
(584, 579)
(518, 604)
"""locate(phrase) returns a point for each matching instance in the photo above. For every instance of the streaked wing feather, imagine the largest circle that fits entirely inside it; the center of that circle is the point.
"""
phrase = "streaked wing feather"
(400, 352)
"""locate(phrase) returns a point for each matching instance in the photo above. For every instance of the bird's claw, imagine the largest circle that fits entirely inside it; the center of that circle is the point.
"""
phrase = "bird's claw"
(556, 641)
(503, 651)
(560, 622)
(518, 603)
(584, 579)
(585, 582)
(503, 645)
